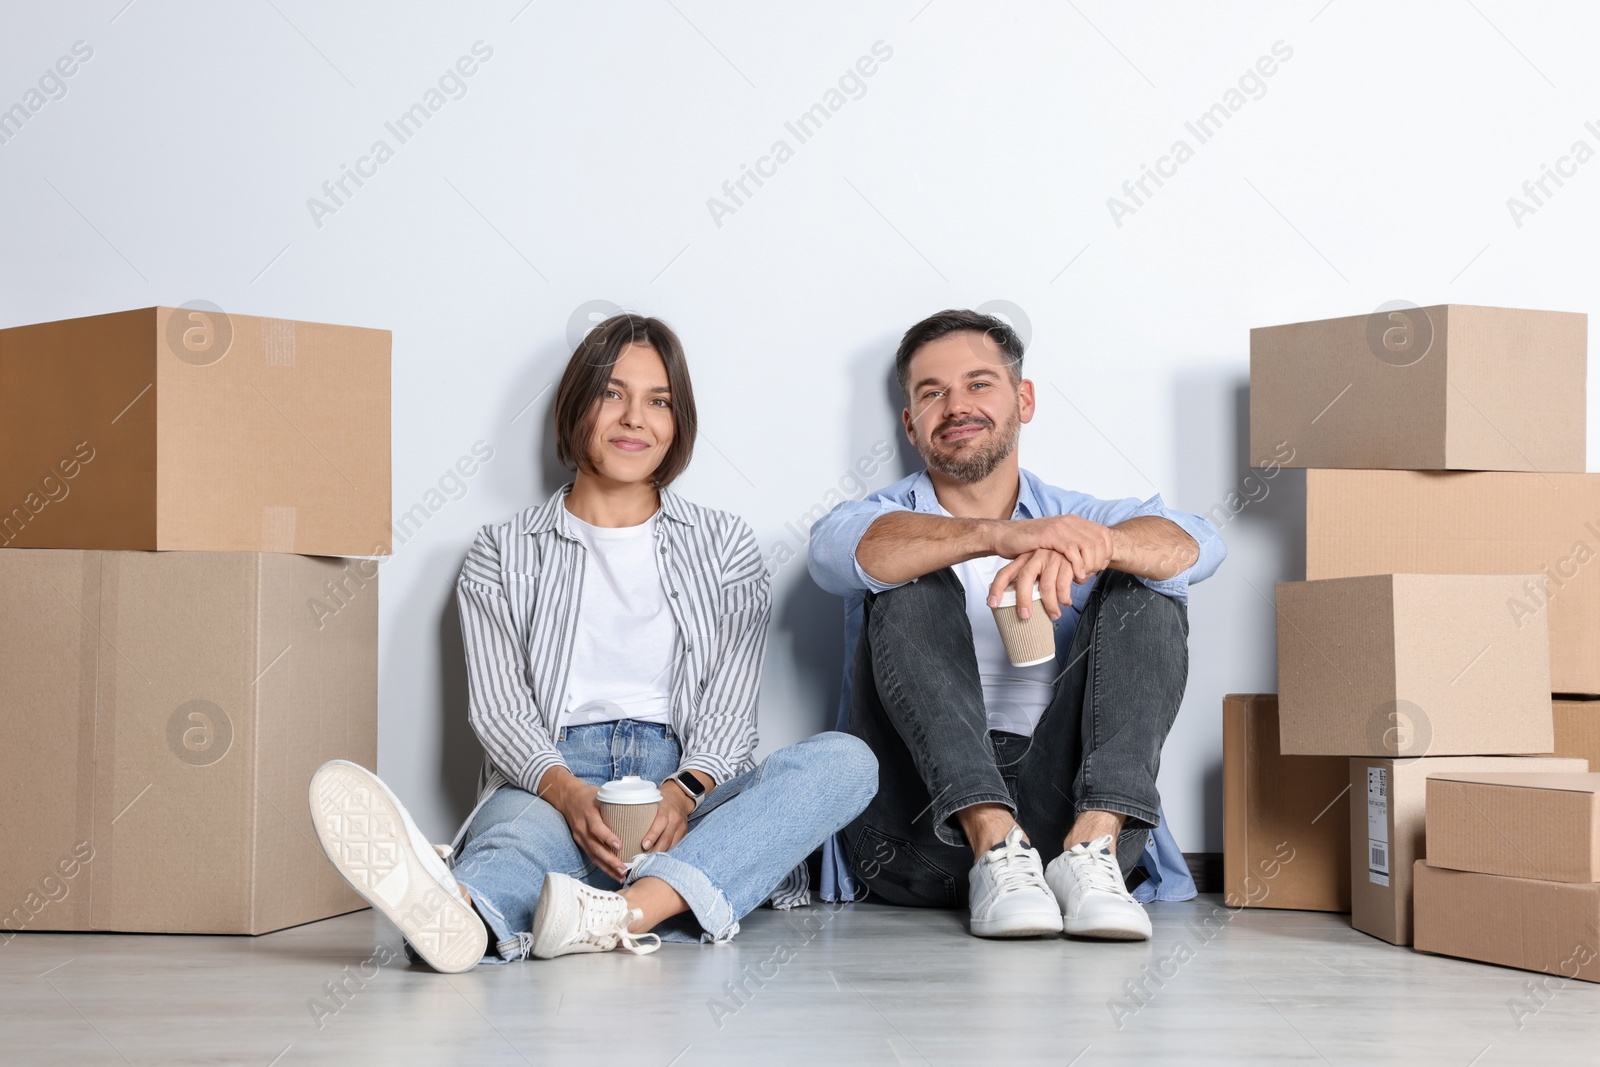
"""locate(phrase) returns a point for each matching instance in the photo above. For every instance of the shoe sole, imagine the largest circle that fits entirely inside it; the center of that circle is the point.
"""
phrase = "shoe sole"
(1107, 933)
(998, 930)
(364, 834)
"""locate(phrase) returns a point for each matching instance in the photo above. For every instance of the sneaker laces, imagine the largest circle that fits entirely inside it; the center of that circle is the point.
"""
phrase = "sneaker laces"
(1014, 864)
(1095, 867)
(603, 919)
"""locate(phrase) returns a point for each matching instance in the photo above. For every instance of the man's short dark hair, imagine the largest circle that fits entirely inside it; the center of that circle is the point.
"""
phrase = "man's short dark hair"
(588, 374)
(953, 321)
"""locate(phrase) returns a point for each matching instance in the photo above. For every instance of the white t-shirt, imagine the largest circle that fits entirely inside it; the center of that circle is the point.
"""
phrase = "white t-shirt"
(1014, 697)
(622, 651)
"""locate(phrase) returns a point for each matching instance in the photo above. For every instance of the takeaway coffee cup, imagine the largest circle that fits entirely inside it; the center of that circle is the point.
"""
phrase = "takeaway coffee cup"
(628, 805)
(1029, 641)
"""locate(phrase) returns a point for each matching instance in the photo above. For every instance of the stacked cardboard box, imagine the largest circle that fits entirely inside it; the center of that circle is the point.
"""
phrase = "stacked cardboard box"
(1445, 598)
(167, 708)
(1512, 874)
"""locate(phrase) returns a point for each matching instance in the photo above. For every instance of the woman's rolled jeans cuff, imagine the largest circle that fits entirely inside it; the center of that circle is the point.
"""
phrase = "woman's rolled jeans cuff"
(709, 904)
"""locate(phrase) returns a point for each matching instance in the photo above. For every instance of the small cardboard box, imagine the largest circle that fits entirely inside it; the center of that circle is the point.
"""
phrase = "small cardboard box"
(1544, 826)
(1545, 526)
(166, 711)
(1516, 922)
(1410, 665)
(1449, 387)
(1577, 725)
(1286, 826)
(175, 428)
(1388, 823)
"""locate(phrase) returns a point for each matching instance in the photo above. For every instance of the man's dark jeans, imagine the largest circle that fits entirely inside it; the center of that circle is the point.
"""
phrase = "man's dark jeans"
(917, 701)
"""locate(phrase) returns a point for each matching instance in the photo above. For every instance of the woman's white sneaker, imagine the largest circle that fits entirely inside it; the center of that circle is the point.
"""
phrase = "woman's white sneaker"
(372, 841)
(1095, 901)
(1007, 893)
(574, 917)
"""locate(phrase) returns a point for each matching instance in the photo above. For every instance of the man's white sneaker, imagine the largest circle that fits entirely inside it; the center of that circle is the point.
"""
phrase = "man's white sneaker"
(372, 841)
(574, 917)
(1095, 901)
(1007, 894)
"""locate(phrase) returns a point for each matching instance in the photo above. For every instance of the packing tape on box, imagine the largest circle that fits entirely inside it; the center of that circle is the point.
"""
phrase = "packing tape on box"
(103, 762)
(277, 528)
(277, 342)
(88, 714)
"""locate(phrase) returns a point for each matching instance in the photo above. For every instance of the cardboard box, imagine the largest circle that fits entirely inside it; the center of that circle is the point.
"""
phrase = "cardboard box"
(1449, 387)
(1388, 824)
(1286, 826)
(165, 713)
(183, 429)
(1516, 922)
(1410, 665)
(1543, 525)
(1544, 826)
(1577, 727)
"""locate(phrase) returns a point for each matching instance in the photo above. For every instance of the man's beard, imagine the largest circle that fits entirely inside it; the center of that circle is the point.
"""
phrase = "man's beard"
(970, 463)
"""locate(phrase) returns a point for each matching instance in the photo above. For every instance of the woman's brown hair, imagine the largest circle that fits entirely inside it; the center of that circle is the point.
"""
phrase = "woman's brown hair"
(588, 374)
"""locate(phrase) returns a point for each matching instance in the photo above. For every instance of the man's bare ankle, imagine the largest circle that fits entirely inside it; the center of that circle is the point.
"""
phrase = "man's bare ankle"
(1091, 825)
(985, 825)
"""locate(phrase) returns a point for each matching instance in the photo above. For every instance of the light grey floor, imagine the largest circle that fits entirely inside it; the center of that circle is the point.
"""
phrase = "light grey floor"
(860, 984)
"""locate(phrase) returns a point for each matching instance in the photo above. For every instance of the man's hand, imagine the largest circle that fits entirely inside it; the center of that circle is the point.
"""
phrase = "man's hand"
(1057, 552)
(576, 800)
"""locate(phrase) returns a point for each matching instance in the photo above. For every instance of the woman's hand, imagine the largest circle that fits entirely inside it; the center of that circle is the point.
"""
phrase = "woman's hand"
(671, 821)
(576, 800)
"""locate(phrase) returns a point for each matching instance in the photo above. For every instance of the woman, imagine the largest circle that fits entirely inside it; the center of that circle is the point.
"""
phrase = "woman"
(616, 629)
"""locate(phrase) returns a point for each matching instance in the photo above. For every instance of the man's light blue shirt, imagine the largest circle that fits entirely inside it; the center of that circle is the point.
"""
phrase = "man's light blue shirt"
(833, 564)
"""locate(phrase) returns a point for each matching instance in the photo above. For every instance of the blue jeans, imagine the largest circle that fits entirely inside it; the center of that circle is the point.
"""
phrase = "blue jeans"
(746, 836)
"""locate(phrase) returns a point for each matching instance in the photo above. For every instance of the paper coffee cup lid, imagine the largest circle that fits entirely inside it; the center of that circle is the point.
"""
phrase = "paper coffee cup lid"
(1008, 599)
(630, 789)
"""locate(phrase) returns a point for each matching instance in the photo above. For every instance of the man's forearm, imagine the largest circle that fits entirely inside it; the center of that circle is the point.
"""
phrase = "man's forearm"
(1152, 547)
(903, 545)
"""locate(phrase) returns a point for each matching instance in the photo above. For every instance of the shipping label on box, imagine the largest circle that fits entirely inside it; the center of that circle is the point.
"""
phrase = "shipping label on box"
(1378, 825)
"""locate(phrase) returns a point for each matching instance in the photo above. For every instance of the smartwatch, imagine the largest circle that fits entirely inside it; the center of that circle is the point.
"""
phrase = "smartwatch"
(690, 785)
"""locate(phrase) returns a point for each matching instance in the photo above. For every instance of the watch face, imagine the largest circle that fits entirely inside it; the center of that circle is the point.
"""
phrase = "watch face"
(690, 783)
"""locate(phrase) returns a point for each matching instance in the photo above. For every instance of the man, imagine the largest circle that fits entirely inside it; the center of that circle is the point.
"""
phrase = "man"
(986, 769)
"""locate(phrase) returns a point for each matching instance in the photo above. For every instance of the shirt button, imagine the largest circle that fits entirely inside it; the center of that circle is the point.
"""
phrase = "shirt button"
(663, 550)
(674, 594)
(688, 648)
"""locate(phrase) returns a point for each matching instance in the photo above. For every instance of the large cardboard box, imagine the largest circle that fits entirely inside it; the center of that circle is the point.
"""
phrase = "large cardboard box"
(1546, 526)
(1577, 726)
(164, 714)
(1517, 922)
(1544, 826)
(1388, 823)
(1410, 665)
(1449, 387)
(174, 428)
(1286, 825)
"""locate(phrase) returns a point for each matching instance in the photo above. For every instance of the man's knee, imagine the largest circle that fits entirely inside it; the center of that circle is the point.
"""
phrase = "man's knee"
(935, 594)
(1125, 602)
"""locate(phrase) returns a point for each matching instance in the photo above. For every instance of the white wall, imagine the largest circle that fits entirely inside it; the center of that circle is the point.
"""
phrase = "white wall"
(975, 167)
